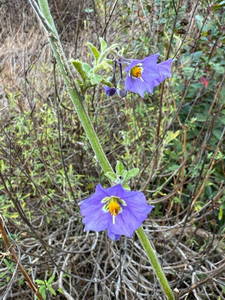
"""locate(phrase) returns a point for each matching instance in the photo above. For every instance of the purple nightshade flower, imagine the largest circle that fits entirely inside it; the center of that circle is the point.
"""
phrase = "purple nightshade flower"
(110, 91)
(115, 209)
(143, 75)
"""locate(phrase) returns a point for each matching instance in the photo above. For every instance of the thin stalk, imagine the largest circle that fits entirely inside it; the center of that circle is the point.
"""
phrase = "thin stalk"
(89, 130)
(9, 247)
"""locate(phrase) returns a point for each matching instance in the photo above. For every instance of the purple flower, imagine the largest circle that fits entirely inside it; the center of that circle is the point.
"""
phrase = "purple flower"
(109, 90)
(116, 210)
(143, 75)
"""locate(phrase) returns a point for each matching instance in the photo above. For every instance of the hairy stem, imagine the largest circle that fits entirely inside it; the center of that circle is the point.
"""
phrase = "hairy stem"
(43, 13)
(152, 256)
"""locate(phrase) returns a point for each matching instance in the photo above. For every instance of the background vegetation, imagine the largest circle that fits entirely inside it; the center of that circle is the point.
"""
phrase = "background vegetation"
(175, 137)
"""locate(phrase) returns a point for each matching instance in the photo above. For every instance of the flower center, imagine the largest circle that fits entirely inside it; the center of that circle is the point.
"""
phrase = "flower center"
(136, 71)
(113, 205)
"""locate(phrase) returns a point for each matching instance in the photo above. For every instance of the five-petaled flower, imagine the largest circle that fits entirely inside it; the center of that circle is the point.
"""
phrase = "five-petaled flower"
(143, 75)
(115, 209)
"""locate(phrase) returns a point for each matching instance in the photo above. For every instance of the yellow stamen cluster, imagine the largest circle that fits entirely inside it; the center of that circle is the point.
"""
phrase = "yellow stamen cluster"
(136, 71)
(114, 207)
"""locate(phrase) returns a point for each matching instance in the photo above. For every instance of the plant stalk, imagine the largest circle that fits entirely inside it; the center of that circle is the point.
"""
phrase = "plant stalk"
(58, 52)
(152, 256)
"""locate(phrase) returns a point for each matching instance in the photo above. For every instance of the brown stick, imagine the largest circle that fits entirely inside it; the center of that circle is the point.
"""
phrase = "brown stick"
(9, 247)
(212, 275)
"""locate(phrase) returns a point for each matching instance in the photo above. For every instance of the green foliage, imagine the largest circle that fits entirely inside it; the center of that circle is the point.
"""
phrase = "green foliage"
(8, 269)
(35, 150)
(45, 287)
(122, 175)
(93, 75)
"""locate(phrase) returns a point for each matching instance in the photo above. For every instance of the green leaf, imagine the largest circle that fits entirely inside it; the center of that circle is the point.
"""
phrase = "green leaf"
(218, 67)
(222, 99)
(123, 175)
(79, 66)
(51, 279)
(196, 55)
(201, 117)
(88, 10)
(102, 66)
(218, 5)
(220, 216)
(2, 166)
(106, 52)
(111, 176)
(3, 274)
(95, 79)
(126, 186)
(94, 51)
(103, 44)
(119, 168)
(108, 83)
(40, 282)
(87, 68)
(222, 3)
(42, 291)
(173, 167)
(217, 133)
(52, 291)
(171, 136)
(8, 264)
(176, 200)
(131, 173)
(60, 290)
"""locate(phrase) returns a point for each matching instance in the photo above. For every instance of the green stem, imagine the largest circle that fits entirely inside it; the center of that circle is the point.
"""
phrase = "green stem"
(90, 132)
(44, 8)
(152, 256)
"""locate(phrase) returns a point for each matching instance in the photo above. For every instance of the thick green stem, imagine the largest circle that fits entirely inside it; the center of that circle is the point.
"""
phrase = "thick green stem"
(44, 8)
(152, 256)
(89, 130)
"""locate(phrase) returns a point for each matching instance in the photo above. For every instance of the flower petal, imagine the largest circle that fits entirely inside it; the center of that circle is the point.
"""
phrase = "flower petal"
(151, 80)
(122, 225)
(116, 190)
(132, 215)
(93, 200)
(132, 64)
(128, 221)
(151, 59)
(136, 85)
(165, 69)
(97, 221)
(113, 236)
